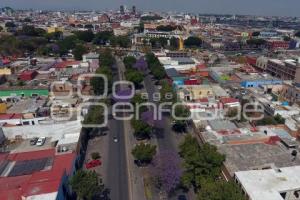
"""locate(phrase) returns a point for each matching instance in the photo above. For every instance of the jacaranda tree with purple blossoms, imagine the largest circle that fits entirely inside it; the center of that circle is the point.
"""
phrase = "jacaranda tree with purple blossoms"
(141, 65)
(167, 170)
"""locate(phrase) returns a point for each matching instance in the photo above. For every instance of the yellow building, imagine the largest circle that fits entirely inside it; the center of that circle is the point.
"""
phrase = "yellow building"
(5, 71)
(54, 29)
(3, 108)
(195, 92)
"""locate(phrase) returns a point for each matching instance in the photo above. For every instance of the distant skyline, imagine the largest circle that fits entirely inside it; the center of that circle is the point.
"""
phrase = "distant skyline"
(245, 7)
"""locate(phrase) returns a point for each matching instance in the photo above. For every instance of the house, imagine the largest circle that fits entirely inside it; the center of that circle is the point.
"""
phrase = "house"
(40, 174)
(28, 75)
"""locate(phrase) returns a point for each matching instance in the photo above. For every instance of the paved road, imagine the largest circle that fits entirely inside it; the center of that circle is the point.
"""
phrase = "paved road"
(117, 173)
(166, 139)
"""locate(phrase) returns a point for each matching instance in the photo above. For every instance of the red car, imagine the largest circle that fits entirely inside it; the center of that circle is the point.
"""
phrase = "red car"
(92, 164)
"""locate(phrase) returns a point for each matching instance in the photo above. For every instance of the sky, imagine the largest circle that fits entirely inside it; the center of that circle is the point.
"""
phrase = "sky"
(253, 7)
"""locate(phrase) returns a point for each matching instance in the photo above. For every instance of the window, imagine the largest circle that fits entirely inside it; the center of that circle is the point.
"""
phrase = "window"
(283, 194)
(26, 123)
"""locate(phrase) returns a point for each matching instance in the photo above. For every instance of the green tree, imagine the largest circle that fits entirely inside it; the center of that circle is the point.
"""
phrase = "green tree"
(1, 28)
(138, 99)
(134, 76)
(141, 129)
(103, 37)
(151, 18)
(200, 162)
(27, 19)
(86, 184)
(269, 120)
(94, 116)
(167, 93)
(174, 43)
(155, 66)
(287, 38)
(86, 36)
(256, 42)
(129, 61)
(166, 28)
(124, 41)
(181, 112)
(106, 58)
(193, 42)
(54, 36)
(256, 33)
(95, 155)
(31, 31)
(219, 190)
(10, 25)
(144, 152)
(98, 84)
(67, 44)
(78, 51)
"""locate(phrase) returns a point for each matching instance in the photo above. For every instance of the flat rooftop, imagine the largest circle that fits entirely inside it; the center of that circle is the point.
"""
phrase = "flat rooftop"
(248, 149)
(250, 156)
(268, 184)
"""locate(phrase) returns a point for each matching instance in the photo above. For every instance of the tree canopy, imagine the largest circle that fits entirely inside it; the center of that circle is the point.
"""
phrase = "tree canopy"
(193, 41)
(202, 169)
(200, 162)
(10, 25)
(151, 18)
(129, 61)
(269, 120)
(256, 42)
(144, 152)
(78, 51)
(134, 76)
(155, 66)
(86, 184)
(86, 36)
(167, 170)
(166, 28)
(141, 129)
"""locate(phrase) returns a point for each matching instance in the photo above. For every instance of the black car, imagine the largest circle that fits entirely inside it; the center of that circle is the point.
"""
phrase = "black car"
(181, 197)
(33, 141)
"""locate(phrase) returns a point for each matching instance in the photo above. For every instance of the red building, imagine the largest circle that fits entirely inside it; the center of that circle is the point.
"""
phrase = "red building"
(36, 175)
(28, 75)
(278, 44)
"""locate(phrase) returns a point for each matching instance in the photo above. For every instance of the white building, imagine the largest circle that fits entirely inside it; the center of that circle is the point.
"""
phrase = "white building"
(270, 184)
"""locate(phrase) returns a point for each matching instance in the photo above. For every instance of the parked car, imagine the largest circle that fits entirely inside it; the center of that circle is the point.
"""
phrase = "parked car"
(115, 139)
(93, 163)
(33, 141)
(41, 141)
(181, 197)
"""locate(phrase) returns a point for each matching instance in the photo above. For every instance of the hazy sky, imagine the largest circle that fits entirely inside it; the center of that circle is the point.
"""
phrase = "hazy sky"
(255, 7)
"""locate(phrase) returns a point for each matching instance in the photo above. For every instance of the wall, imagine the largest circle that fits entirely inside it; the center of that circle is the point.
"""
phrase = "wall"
(27, 93)
(257, 83)
(5, 71)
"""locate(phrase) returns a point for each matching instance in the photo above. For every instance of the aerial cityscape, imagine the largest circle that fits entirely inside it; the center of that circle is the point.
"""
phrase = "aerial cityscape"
(150, 100)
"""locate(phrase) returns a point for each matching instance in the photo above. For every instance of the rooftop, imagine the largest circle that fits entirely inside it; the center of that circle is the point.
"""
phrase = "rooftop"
(268, 184)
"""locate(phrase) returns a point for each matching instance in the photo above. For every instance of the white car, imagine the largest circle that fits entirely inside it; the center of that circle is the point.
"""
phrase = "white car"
(41, 141)
(115, 139)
